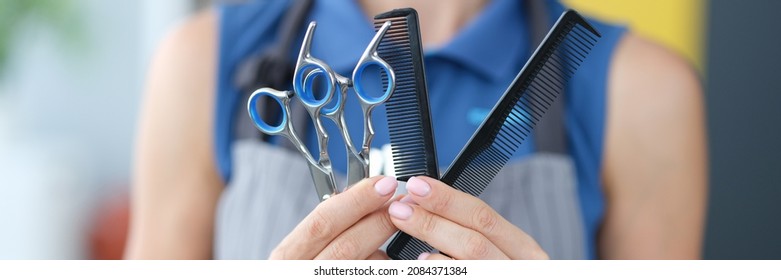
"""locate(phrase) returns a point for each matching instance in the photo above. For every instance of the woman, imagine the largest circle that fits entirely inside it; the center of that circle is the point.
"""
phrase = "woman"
(630, 182)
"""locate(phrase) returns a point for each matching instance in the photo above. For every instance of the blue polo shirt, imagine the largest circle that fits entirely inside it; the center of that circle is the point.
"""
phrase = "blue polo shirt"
(465, 77)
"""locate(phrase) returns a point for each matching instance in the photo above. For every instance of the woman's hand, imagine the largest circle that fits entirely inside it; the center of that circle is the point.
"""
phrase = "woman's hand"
(459, 224)
(350, 225)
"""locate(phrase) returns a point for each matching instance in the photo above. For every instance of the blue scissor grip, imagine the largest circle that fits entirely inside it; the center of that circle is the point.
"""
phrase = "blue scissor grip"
(359, 88)
(302, 84)
(309, 84)
(255, 115)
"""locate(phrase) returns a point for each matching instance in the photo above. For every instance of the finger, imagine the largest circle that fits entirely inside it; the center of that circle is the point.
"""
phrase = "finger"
(378, 255)
(434, 257)
(471, 212)
(445, 235)
(333, 216)
(362, 239)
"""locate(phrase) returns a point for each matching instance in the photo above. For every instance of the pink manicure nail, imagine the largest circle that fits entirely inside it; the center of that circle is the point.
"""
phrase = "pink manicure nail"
(424, 256)
(400, 211)
(385, 186)
(418, 186)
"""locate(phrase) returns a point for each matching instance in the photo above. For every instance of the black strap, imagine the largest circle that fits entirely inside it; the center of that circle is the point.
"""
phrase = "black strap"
(549, 133)
(271, 68)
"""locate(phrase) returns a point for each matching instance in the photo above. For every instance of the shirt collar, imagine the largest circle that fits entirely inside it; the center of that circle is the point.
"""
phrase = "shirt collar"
(490, 45)
(342, 34)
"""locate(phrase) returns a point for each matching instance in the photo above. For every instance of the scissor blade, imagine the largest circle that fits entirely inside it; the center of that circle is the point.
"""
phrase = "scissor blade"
(325, 183)
(357, 168)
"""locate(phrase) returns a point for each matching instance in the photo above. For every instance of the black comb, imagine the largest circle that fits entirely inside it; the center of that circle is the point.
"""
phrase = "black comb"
(512, 120)
(409, 120)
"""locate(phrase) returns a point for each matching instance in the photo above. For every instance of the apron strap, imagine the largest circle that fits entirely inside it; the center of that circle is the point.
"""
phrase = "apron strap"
(549, 133)
(271, 68)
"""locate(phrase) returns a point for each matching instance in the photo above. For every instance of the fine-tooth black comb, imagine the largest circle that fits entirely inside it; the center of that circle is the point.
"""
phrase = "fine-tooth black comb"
(512, 120)
(409, 120)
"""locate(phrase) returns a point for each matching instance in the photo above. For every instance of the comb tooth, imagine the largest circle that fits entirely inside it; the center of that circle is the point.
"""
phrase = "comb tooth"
(410, 162)
(403, 103)
(579, 31)
(513, 119)
(404, 138)
(521, 120)
(405, 135)
(571, 41)
(408, 136)
(571, 52)
(555, 56)
(576, 37)
(408, 140)
(512, 127)
(505, 147)
(565, 64)
(547, 93)
(582, 50)
(406, 153)
(513, 135)
(409, 150)
(544, 84)
(408, 159)
(535, 97)
(535, 114)
(554, 78)
(402, 109)
(581, 22)
(524, 131)
(552, 88)
(411, 159)
(556, 73)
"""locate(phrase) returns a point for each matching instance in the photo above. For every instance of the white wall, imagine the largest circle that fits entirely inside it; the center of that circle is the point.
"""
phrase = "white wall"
(67, 123)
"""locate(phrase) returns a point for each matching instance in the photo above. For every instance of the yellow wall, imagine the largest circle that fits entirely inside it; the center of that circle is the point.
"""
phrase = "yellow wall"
(677, 24)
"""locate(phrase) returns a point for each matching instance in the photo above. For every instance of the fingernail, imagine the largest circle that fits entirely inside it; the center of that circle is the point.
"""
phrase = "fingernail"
(418, 187)
(400, 210)
(385, 186)
(424, 256)
(408, 200)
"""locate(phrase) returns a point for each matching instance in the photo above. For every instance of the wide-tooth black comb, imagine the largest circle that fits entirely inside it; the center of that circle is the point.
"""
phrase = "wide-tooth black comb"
(512, 120)
(409, 120)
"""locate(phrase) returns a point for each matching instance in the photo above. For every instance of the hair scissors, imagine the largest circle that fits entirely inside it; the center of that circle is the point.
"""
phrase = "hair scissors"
(331, 105)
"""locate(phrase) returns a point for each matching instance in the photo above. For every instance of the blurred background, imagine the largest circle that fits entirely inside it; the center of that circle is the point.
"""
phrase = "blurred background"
(72, 73)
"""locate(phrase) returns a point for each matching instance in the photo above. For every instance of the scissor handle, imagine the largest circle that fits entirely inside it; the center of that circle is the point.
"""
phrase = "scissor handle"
(303, 81)
(339, 94)
(281, 97)
(307, 69)
(358, 74)
(370, 57)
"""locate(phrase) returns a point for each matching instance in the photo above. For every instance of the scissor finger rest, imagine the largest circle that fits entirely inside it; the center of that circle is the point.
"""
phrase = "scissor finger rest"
(303, 84)
(335, 104)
